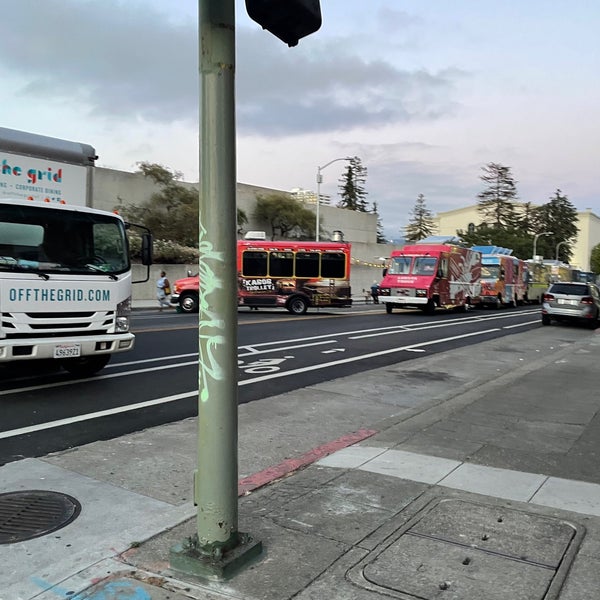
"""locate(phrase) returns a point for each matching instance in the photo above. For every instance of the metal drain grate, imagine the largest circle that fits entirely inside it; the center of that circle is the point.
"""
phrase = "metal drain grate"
(33, 513)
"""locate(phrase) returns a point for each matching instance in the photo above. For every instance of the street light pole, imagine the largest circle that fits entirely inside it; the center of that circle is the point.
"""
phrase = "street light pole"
(319, 182)
(535, 239)
(558, 246)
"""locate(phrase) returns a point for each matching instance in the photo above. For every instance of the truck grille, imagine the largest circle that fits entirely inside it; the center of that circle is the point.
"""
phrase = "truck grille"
(44, 324)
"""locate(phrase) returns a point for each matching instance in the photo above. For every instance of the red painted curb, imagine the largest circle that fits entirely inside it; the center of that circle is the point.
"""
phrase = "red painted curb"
(253, 482)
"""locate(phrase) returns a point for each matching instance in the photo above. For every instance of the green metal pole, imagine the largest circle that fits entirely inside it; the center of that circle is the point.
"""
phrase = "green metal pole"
(218, 549)
(216, 479)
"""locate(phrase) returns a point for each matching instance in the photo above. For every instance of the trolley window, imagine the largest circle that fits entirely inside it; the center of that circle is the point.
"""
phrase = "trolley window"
(254, 263)
(281, 264)
(307, 264)
(333, 265)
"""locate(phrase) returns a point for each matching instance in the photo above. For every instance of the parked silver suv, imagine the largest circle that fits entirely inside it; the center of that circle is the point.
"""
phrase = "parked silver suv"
(571, 301)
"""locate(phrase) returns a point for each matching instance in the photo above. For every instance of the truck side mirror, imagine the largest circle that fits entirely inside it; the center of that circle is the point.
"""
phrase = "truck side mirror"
(146, 251)
(384, 272)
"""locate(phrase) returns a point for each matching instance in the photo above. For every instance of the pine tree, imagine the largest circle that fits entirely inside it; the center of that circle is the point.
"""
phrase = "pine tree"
(380, 236)
(352, 190)
(497, 202)
(559, 216)
(421, 223)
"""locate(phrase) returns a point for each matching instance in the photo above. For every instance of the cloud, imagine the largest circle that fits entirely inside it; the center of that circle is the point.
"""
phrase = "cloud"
(128, 60)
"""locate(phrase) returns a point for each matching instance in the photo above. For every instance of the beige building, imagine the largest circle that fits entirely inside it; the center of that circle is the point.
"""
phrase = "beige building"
(589, 231)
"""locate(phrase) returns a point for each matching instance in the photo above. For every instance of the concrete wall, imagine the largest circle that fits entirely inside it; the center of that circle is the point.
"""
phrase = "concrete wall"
(111, 187)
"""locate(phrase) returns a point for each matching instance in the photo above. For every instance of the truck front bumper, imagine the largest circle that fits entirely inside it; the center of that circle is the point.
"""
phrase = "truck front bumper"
(52, 348)
(404, 300)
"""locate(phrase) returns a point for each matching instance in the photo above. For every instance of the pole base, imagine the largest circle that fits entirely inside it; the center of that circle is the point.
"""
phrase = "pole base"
(187, 558)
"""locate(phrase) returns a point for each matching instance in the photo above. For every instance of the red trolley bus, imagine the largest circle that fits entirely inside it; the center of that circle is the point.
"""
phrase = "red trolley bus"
(288, 274)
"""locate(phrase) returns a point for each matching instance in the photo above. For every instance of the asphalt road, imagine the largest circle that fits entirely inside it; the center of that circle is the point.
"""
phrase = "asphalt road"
(44, 410)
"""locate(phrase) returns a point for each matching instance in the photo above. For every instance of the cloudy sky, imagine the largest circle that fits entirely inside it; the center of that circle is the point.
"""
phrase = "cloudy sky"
(424, 92)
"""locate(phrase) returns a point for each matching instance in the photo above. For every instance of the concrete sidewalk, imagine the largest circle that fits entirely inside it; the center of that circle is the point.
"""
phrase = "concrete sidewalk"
(470, 474)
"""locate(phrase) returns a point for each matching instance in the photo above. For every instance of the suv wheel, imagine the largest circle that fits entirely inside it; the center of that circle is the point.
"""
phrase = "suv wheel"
(546, 320)
(188, 302)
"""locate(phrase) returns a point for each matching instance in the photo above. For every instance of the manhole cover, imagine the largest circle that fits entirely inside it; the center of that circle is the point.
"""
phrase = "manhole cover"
(467, 550)
(33, 513)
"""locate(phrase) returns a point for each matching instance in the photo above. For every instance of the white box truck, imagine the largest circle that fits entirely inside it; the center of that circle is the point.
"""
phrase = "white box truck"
(65, 270)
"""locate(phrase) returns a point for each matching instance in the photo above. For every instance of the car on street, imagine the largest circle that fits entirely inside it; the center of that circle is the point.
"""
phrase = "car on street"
(571, 301)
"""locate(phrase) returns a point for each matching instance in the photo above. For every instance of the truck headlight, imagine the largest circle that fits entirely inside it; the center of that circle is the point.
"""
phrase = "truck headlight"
(123, 312)
(421, 293)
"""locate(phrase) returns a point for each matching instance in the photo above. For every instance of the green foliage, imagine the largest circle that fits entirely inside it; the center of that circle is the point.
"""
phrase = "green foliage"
(171, 213)
(559, 216)
(352, 186)
(421, 223)
(242, 219)
(164, 251)
(520, 243)
(285, 216)
(595, 259)
(497, 202)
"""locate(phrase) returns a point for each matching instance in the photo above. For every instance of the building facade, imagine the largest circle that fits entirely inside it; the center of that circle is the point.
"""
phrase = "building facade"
(449, 222)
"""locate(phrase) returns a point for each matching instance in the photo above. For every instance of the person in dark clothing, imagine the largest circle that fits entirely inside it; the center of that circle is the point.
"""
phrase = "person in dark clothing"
(375, 292)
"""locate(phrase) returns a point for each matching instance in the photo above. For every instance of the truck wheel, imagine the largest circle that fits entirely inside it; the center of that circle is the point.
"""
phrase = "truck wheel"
(388, 308)
(429, 308)
(188, 303)
(85, 366)
(297, 305)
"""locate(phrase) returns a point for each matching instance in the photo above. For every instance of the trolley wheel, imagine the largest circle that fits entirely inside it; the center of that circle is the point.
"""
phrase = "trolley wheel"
(297, 305)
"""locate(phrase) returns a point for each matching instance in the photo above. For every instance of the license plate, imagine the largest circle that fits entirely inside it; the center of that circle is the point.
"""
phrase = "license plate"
(67, 350)
(570, 302)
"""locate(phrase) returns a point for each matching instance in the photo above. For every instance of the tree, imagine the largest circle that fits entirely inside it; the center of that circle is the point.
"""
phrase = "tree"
(559, 216)
(483, 235)
(380, 236)
(496, 202)
(595, 259)
(285, 216)
(242, 219)
(421, 223)
(172, 212)
(352, 190)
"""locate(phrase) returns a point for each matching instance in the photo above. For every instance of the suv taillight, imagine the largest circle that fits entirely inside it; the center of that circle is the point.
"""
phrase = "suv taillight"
(587, 300)
(548, 297)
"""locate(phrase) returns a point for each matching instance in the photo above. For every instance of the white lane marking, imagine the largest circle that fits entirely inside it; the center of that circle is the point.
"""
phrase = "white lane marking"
(351, 359)
(252, 348)
(157, 401)
(430, 325)
(94, 415)
(31, 388)
(282, 348)
(149, 360)
(521, 324)
(333, 350)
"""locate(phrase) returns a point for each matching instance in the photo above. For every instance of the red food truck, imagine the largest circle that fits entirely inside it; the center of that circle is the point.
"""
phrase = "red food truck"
(434, 272)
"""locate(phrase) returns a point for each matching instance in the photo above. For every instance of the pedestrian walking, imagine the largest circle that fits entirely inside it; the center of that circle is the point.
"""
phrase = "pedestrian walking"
(163, 289)
(375, 292)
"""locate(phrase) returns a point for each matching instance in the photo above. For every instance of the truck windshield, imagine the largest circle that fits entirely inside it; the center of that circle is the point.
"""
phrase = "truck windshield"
(34, 238)
(490, 271)
(400, 265)
(424, 265)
